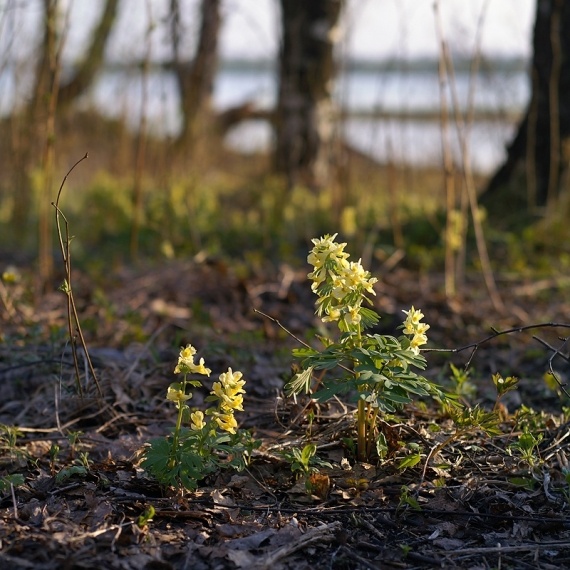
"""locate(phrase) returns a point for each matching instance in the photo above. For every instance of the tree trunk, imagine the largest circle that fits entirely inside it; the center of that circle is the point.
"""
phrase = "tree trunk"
(304, 116)
(36, 125)
(544, 132)
(93, 59)
(196, 78)
(31, 126)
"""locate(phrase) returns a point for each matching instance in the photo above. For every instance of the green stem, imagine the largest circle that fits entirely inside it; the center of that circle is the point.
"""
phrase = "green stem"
(371, 420)
(361, 427)
(176, 434)
(361, 417)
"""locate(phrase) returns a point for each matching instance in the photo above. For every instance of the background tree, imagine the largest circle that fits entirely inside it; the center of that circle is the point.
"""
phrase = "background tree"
(35, 124)
(304, 121)
(93, 58)
(538, 154)
(195, 78)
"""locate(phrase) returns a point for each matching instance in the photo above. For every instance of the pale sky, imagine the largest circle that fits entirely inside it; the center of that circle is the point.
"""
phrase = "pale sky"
(375, 29)
(388, 28)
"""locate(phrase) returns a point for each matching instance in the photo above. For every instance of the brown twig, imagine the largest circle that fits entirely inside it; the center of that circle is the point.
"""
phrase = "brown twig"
(72, 315)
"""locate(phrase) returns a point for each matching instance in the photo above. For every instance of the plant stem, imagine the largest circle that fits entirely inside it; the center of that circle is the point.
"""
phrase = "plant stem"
(361, 426)
(361, 418)
(176, 434)
(371, 421)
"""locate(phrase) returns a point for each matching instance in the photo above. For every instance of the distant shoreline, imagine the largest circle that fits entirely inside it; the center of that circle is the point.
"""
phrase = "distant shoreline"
(429, 115)
(416, 65)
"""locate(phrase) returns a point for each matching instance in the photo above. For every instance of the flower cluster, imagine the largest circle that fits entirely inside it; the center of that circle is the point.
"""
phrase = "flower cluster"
(228, 393)
(416, 329)
(340, 284)
(202, 441)
(186, 364)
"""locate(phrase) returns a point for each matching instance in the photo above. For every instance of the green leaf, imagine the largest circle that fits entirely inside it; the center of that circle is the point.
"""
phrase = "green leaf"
(410, 461)
(397, 398)
(525, 482)
(15, 479)
(332, 388)
(368, 318)
(304, 352)
(308, 451)
(300, 382)
(146, 516)
(68, 472)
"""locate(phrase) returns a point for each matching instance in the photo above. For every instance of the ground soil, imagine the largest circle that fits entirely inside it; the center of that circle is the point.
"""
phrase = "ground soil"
(474, 504)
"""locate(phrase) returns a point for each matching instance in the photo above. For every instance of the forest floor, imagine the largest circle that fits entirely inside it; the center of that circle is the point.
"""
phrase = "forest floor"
(476, 504)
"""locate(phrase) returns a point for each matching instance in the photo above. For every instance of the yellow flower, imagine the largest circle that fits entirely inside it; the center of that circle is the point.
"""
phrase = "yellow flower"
(186, 364)
(197, 420)
(226, 422)
(229, 391)
(353, 316)
(234, 403)
(355, 276)
(200, 368)
(413, 326)
(232, 382)
(414, 316)
(325, 247)
(11, 275)
(175, 393)
(333, 314)
(418, 340)
(185, 359)
(218, 390)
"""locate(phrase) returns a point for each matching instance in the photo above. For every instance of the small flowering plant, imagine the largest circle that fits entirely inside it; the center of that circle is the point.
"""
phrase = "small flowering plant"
(201, 442)
(379, 368)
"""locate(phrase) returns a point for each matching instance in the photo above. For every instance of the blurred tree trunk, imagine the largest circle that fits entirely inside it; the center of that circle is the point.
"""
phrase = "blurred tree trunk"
(196, 78)
(93, 59)
(540, 151)
(304, 115)
(28, 145)
(36, 128)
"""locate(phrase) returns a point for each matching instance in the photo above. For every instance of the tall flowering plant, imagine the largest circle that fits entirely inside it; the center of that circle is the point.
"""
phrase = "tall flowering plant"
(378, 368)
(201, 442)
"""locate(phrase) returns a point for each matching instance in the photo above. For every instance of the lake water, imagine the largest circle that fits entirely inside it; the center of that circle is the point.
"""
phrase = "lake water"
(369, 93)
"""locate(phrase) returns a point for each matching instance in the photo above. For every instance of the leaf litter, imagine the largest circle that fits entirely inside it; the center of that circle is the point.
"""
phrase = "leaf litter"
(475, 504)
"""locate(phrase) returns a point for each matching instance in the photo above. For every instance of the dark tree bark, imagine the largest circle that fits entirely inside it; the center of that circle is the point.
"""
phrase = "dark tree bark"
(304, 115)
(196, 78)
(544, 132)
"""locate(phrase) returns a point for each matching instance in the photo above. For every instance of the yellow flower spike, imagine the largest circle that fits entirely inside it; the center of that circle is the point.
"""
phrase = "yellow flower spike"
(186, 364)
(233, 381)
(324, 248)
(185, 360)
(415, 328)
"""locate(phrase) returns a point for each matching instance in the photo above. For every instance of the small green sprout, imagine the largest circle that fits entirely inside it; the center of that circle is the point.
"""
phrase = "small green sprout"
(304, 461)
(464, 388)
(527, 447)
(503, 386)
(146, 517)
